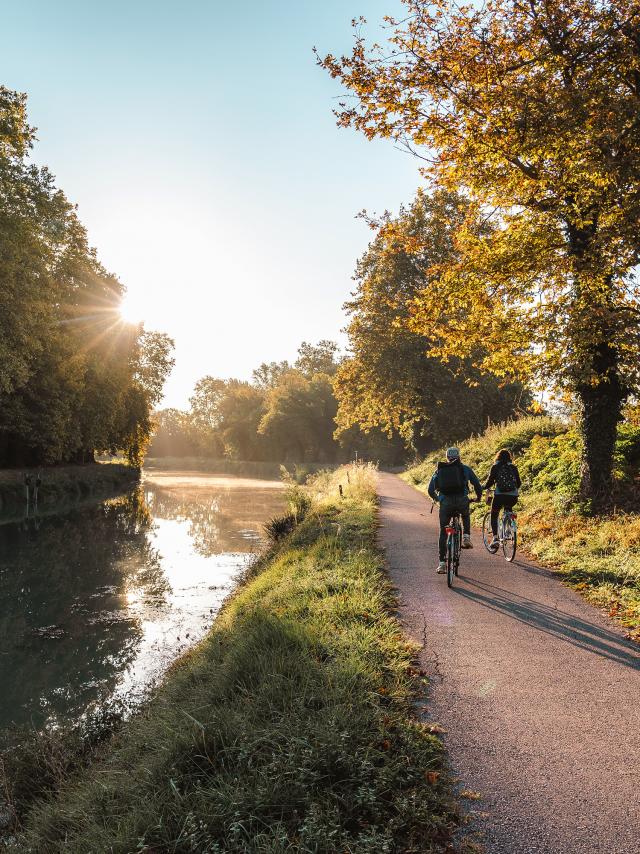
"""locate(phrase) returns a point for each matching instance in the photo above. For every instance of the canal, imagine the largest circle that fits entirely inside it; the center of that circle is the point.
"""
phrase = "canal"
(96, 602)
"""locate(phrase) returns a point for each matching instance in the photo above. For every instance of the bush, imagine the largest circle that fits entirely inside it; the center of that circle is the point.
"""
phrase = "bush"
(279, 527)
(299, 502)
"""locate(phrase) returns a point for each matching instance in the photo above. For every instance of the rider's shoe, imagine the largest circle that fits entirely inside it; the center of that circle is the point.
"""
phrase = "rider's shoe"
(442, 568)
(494, 544)
(466, 541)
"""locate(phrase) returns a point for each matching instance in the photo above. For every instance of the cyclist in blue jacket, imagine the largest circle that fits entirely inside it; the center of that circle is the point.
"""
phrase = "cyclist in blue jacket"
(449, 486)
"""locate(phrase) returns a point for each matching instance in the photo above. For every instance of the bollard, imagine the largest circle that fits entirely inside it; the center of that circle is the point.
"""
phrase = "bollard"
(27, 486)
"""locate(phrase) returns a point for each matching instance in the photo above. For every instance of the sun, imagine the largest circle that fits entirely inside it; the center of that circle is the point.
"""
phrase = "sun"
(130, 310)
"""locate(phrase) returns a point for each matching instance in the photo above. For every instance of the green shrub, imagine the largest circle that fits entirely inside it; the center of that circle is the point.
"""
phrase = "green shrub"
(299, 502)
(279, 527)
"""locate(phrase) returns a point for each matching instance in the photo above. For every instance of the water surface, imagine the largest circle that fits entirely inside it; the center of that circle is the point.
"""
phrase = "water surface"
(96, 602)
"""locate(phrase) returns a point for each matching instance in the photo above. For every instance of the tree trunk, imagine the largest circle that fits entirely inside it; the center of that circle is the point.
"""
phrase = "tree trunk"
(601, 411)
(599, 387)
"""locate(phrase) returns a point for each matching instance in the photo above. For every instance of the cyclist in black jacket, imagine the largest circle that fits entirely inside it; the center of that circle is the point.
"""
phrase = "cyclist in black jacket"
(505, 477)
(449, 486)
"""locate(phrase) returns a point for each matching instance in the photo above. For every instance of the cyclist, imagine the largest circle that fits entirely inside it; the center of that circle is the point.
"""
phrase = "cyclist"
(506, 478)
(449, 486)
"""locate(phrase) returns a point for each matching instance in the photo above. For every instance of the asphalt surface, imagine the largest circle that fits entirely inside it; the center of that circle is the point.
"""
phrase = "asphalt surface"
(538, 692)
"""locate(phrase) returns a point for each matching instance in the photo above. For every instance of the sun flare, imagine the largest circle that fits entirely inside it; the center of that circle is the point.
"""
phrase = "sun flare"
(130, 310)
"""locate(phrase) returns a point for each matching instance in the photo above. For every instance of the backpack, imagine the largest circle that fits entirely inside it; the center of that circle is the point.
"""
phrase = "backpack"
(506, 478)
(451, 478)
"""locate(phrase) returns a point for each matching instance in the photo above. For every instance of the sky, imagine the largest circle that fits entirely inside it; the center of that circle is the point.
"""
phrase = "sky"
(198, 142)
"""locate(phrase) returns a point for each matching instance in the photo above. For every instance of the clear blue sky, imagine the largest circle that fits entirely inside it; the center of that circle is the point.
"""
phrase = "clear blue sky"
(198, 141)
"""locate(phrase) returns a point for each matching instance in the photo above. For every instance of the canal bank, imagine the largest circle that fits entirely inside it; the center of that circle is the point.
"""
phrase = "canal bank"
(58, 487)
(290, 727)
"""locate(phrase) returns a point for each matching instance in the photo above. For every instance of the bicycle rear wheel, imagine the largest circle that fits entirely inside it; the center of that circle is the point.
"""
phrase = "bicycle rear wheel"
(509, 539)
(487, 534)
(451, 565)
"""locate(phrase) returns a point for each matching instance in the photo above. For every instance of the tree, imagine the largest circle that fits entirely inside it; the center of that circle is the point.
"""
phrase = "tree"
(531, 109)
(320, 358)
(269, 374)
(391, 381)
(240, 412)
(74, 378)
(299, 417)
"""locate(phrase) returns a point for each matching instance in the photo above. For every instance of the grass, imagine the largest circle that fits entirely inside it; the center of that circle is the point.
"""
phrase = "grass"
(291, 728)
(599, 556)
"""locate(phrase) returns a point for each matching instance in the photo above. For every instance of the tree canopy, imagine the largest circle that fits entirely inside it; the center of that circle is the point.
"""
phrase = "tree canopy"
(286, 414)
(391, 380)
(74, 378)
(532, 111)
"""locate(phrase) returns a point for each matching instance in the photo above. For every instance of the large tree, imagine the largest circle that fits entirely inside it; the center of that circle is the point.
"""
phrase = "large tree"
(533, 110)
(390, 381)
(74, 378)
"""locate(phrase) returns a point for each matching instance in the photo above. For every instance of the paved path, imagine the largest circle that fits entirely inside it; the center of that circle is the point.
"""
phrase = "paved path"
(540, 695)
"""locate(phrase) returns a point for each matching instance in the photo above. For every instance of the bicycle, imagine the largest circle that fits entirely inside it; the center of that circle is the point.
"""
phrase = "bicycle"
(454, 543)
(507, 533)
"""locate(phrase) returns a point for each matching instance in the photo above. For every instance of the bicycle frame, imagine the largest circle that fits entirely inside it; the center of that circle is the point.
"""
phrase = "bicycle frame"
(507, 533)
(454, 544)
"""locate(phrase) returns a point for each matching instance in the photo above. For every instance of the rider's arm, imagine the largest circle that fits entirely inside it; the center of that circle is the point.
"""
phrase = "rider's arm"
(473, 477)
(491, 479)
(518, 481)
(433, 485)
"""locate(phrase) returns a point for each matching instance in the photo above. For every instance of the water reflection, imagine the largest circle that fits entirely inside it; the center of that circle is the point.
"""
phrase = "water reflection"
(97, 602)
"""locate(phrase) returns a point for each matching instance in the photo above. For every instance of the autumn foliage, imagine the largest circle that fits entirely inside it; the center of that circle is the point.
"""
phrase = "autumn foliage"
(531, 110)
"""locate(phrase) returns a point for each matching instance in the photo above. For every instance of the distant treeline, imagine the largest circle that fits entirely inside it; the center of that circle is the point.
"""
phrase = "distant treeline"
(300, 412)
(74, 378)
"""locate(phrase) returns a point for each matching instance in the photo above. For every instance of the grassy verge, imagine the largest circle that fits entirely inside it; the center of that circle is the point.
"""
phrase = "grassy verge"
(62, 485)
(599, 556)
(290, 728)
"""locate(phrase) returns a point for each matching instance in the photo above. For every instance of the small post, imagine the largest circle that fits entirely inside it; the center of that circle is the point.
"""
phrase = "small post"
(27, 487)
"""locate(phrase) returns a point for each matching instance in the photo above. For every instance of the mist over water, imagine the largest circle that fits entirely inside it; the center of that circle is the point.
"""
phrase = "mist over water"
(97, 602)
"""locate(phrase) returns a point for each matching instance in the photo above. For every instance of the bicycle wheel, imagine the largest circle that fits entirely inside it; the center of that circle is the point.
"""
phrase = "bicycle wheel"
(451, 571)
(487, 534)
(457, 547)
(509, 538)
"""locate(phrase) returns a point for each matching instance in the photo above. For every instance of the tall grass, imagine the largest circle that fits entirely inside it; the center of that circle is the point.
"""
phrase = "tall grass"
(290, 729)
(598, 556)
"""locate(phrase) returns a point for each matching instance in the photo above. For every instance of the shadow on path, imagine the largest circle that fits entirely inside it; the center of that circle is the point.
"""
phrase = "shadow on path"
(567, 627)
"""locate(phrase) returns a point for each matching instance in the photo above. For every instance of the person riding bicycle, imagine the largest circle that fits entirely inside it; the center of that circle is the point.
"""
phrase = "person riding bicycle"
(449, 486)
(504, 475)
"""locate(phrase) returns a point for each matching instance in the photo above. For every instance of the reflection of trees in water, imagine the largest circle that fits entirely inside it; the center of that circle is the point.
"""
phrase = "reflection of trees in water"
(71, 571)
(220, 519)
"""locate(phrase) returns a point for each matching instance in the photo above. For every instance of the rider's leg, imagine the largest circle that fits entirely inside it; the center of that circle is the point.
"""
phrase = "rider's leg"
(463, 506)
(445, 515)
(510, 501)
(496, 506)
(466, 516)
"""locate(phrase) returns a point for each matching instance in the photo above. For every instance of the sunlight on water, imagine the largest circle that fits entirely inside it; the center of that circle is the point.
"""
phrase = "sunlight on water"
(96, 603)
